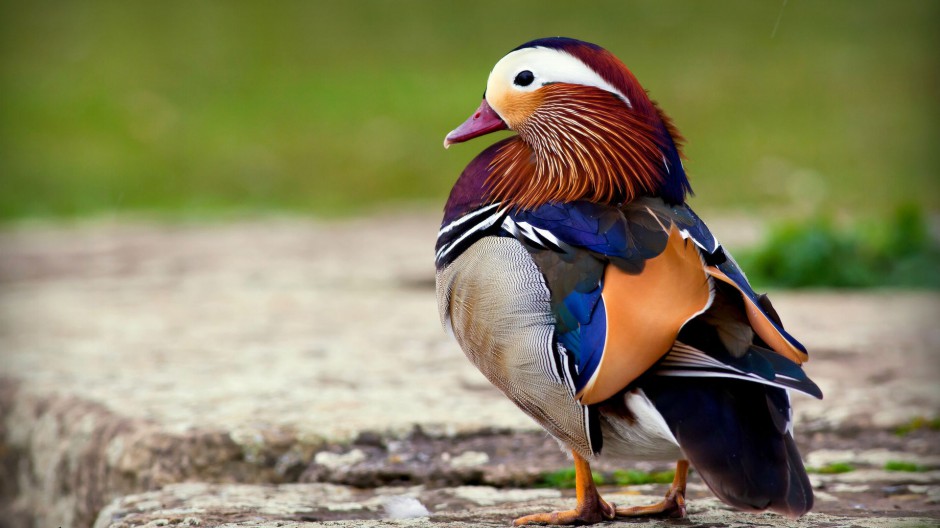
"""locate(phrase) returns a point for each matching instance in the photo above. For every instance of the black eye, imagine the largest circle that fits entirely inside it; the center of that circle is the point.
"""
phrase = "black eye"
(524, 78)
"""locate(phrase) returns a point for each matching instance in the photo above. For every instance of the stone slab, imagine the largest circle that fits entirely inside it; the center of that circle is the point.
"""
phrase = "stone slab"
(139, 356)
(321, 505)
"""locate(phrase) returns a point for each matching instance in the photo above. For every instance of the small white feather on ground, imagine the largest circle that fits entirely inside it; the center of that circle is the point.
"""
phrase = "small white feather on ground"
(402, 507)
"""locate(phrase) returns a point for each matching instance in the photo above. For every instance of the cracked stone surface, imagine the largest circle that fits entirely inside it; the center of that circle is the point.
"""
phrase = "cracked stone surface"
(292, 353)
(315, 505)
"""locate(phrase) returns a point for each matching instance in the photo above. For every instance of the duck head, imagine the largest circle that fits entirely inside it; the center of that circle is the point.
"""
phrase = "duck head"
(586, 130)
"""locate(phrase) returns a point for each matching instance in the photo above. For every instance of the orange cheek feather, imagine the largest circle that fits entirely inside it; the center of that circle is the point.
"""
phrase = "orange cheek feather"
(515, 107)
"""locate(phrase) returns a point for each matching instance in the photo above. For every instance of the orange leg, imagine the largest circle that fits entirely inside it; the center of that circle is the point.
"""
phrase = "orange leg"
(591, 508)
(672, 506)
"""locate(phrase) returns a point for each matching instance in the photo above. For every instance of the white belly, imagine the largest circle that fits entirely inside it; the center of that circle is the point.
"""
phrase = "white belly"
(644, 436)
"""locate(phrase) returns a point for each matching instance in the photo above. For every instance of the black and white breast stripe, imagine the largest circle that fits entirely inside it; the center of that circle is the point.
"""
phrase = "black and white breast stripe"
(466, 218)
(458, 235)
(538, 237)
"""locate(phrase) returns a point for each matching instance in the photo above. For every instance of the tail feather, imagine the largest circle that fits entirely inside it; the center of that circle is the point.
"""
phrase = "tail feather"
(800, 499)
(734, 435)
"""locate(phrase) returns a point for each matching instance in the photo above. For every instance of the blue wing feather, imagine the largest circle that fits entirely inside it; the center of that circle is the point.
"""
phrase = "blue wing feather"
(592, 227)
(581, 305)
(586, 338)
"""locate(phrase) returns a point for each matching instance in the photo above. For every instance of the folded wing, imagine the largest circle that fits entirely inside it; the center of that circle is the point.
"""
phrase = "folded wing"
(625, 282)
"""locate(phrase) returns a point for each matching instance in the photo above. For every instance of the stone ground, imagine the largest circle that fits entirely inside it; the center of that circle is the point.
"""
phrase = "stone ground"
(294, 374)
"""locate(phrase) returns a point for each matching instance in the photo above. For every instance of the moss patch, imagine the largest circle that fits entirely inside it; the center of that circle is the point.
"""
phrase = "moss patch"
(832, 469)
(896, 465)
(918, 423)
(564, 478)
(633, 476)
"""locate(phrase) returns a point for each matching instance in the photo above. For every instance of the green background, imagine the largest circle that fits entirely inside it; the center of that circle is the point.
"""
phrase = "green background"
(201, 109)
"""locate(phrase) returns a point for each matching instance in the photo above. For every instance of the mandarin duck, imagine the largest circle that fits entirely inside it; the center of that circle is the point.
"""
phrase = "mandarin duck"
(576, 279)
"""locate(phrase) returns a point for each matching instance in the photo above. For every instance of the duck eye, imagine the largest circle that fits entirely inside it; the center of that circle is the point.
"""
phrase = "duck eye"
(524, 78)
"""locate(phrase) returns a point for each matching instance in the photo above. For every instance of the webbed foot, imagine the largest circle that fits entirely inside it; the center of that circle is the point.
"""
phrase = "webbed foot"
(672, 506)
(591, 508)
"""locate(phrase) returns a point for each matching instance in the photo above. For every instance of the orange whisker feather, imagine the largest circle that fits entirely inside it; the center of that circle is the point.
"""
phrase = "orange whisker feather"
(581, 144)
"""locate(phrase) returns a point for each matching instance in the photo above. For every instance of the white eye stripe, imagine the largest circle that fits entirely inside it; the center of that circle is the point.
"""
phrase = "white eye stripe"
(547, 66)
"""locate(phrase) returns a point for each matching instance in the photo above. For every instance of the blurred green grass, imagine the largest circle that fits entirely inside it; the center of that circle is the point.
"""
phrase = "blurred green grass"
(207, 108)
(894, 251)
